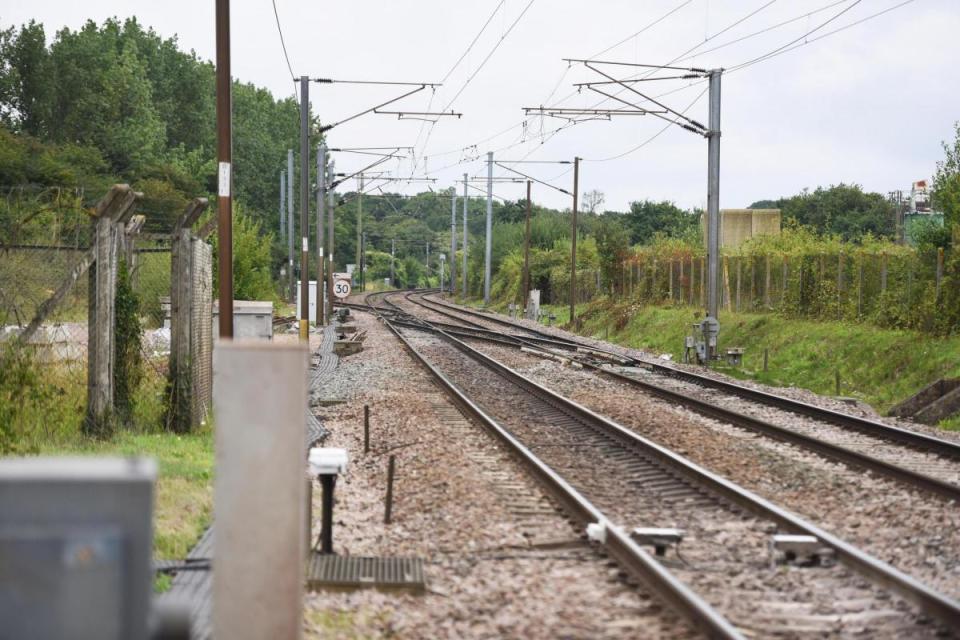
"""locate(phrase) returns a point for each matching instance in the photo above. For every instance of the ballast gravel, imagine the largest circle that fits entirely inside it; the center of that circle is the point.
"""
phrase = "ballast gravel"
(460, 504)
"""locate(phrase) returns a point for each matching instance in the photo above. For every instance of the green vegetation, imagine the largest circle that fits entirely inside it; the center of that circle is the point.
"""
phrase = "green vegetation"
(878, 366)
(42, 410)
(841, 210)
(116, 102)
(184, 490)
(127, 335)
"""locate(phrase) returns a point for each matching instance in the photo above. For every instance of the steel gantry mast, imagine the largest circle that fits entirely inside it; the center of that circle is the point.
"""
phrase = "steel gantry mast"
(321, 198)
(453, 241)
(710, 326)
(466, 198)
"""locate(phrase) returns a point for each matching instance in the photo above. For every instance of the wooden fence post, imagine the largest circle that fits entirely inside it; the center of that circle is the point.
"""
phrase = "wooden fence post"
(726, 281)
(703, 284)
(860, 285)
(766, 283)
(680, 283)
(739, 262)
(784, 277)
(939, 270)
(670, 282)
(883, 272)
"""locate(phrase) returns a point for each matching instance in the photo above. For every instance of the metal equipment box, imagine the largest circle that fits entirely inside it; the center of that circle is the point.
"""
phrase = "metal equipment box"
(75, 548)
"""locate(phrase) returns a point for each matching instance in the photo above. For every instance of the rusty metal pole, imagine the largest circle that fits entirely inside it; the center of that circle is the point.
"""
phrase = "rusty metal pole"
(573, 246)
(224, 160)
(526, 253)
(304, 208)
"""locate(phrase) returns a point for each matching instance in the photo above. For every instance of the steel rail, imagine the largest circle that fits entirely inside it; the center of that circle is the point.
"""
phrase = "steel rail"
(930, 601)
(867, 426)
(835, 452)
(633, 558)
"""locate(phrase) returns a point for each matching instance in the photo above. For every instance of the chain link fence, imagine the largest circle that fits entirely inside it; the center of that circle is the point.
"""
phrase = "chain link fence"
(49, 292)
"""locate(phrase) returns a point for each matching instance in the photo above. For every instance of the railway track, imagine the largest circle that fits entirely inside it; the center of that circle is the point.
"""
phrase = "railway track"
(920, 461)
(721, 580)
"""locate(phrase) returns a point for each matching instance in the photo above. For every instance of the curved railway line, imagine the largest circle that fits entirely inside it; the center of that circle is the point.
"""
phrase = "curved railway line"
(602, 474)
(918, 460)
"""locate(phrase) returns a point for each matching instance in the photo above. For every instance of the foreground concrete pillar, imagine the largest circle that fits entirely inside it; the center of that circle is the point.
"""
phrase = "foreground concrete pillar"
(260, 397)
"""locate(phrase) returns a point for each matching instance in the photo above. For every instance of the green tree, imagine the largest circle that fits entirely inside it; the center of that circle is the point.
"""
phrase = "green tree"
(612, 248)
(946, 181)
(647, 218)
(844, 210)
(251, 259)
(25, 80)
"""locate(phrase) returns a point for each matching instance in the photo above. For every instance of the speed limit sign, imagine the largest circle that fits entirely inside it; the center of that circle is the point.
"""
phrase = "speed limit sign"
(341, 288)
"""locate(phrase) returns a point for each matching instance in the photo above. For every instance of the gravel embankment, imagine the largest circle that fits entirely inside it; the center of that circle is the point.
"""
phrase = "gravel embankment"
(500, 561)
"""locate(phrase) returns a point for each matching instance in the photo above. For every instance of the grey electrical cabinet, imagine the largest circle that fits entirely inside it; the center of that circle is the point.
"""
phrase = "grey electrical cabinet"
(75, 548)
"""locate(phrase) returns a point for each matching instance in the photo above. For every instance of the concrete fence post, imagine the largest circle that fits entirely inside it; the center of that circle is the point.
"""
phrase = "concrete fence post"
(111, 213)
(180, 414)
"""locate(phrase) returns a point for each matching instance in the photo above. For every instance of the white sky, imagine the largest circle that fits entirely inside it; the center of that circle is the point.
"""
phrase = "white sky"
(869, 105)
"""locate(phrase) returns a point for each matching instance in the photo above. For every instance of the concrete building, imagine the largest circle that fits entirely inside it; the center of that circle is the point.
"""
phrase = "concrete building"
(739, 225)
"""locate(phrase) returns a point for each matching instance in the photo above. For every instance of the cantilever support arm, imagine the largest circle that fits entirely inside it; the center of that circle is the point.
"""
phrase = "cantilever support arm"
(372, 109)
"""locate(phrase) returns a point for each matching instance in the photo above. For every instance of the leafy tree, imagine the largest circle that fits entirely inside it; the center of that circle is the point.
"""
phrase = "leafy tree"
(845, 210)
(25, 79)
(612, 247)
(251, 259)
(946, 181)
(647, 218)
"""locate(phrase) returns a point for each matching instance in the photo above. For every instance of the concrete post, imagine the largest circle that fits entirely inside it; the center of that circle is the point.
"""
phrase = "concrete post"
(260, 400)
(110, 211)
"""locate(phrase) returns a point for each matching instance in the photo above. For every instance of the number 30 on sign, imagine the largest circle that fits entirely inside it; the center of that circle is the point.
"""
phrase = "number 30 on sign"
(341, 288)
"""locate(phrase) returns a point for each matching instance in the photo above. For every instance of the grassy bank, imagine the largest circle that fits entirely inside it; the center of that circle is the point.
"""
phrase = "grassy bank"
(48, 403)
(184, 491)
(878, 366)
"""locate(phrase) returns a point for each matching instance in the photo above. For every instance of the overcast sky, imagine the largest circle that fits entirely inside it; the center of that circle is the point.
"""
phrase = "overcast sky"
(869, 104)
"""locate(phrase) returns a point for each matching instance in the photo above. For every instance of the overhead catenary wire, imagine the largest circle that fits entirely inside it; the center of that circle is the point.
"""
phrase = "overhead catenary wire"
(793, 44)
(283, 44)
(807, 41)
(548, 135)
(772, 27)
(779, 49)
(554, 90)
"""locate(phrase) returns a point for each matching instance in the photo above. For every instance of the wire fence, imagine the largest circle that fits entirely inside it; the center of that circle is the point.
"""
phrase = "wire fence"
(48, 294)
(902, 288)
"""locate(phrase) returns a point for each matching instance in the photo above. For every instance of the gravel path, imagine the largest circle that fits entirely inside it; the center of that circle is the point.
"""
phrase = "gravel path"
(500, 560)
(725, 556)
